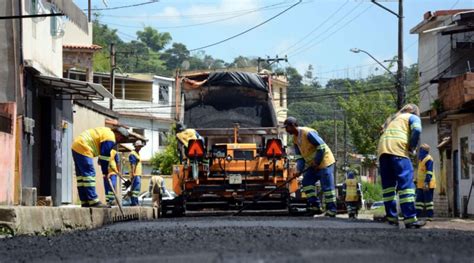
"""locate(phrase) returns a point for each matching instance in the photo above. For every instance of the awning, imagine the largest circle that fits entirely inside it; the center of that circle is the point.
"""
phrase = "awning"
(73, 12)
(70, 89)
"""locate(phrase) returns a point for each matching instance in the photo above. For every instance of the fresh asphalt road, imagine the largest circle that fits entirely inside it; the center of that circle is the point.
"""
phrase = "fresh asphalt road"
(245, 239)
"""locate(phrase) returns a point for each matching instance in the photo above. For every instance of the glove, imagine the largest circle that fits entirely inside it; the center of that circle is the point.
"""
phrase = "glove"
(127, 183)
(427, 187)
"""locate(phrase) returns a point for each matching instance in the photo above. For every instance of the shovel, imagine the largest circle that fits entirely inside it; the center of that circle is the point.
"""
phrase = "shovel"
(115, 195)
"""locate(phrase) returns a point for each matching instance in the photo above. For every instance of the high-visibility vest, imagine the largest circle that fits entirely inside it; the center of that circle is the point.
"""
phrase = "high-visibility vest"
(186, 135)
(422, 172)
(138, 166)
(88, 142)
(395, 138)
(308, 150)
(351, 190)
(113, 168)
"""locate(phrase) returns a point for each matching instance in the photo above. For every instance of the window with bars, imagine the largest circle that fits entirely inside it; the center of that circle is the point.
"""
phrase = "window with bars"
(163, 97)
(162, 138)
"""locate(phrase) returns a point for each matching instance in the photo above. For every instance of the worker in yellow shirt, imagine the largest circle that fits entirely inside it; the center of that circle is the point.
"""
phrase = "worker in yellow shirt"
(399, 140)
(352, 193)
(97, 142)
(315, 160)
(135, 172)
(425, 183)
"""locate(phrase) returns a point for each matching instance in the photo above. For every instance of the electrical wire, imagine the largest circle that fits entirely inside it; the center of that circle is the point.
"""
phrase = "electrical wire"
(250, 29)
(312, 40)
(315, 28)
(265, 8)
(304, 49)
(201, 15)
(122, 7)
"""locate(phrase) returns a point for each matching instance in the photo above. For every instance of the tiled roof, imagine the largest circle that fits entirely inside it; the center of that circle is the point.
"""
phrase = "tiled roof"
(90, 47)
(437, 13)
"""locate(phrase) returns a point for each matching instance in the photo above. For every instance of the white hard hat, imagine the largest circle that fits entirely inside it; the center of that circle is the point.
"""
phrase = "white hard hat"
(138, 143)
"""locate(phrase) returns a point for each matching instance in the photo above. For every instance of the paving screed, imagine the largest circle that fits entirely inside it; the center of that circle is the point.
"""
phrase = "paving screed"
(244, 239)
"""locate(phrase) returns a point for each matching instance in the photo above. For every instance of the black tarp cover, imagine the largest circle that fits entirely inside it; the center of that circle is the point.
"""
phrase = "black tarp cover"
(244, 79)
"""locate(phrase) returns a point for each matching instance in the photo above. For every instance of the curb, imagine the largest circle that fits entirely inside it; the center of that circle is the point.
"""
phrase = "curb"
(24, 220)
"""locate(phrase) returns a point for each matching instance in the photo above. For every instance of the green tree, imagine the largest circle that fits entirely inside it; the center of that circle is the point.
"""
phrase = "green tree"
(103, 36)
(155, 40)
(340, 84)
(294, 78)
(165, 160)
(366, 112)
(175, 55)
(325, 129)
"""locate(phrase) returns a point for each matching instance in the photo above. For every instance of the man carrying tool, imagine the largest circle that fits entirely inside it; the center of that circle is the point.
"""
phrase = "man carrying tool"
(399, 139)
(316, 159)
(93, 143)
(352, 195)
(135, 172)
(425, 183)
(112, 175)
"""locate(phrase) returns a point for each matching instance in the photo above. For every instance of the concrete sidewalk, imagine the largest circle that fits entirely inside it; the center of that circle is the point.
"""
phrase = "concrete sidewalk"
(35, 220)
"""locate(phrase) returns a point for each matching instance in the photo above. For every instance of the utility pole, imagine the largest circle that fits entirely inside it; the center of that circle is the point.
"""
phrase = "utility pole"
(335, 142)
(112, 74)
(345, 141)
(270, 61)
(400, 84)
(400, 75)
(89, 10)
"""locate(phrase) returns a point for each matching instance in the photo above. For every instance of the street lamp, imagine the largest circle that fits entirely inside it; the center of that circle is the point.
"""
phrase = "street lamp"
(357, 50)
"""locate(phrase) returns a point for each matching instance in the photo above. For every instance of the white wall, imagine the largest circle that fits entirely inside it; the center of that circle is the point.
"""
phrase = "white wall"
(73, 35)
(39, 46)
(166, 109)
(465, 184)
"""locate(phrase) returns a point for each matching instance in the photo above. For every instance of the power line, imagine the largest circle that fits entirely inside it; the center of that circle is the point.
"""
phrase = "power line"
(250, 29)
(124, 6)
(201, 15)
(312, 40)
(316, 27)
(265, 8)
(333, 33)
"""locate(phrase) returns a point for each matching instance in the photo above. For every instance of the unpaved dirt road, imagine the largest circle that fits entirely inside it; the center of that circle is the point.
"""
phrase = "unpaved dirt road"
(245, 239)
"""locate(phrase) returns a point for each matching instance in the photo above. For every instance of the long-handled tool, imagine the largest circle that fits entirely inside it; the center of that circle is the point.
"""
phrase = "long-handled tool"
(115, 195)
(271, 191)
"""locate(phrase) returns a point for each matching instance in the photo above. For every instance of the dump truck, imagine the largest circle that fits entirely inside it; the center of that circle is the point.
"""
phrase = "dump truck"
(240, 155)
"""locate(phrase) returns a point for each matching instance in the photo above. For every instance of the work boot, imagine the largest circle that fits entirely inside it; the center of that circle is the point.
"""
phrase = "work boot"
(415, 225)
(314, 210)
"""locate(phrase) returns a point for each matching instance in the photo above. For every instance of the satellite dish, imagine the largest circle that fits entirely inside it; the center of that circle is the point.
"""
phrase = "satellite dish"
(185, 65)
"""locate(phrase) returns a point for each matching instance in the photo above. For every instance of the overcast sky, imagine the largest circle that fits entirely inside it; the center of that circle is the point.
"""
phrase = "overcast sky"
(317, 32)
